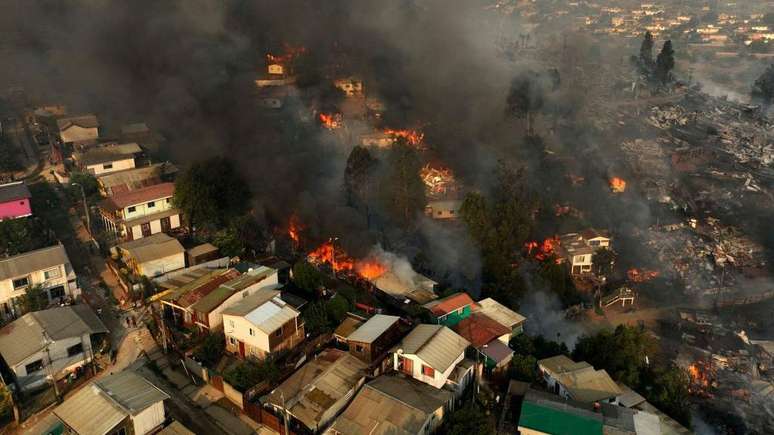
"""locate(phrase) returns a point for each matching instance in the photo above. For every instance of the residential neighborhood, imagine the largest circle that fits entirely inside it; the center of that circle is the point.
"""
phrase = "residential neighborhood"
(398, 218)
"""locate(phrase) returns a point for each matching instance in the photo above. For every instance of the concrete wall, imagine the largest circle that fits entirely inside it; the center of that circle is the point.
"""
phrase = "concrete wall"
(162, 265)
(149, 419)
(107, 168)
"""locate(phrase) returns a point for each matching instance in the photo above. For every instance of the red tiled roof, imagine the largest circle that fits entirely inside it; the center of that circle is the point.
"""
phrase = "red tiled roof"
(206, 288)
(479, 329)
(450, 304)
(139, 196)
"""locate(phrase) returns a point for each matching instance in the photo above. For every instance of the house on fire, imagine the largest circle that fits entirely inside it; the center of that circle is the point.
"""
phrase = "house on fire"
(315, 393)
(262, 324)
(48, 268)
(49, 343)
(208, 310)
(394, 405)
(435, 355)
(141, 213)
(108, 158)
(577, 249)
(15, 201)
(578, 381)
(419, 289)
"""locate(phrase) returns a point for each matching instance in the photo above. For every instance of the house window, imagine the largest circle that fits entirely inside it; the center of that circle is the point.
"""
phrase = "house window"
(252, 332)
(152, 204)
(232, 340)
(231, 323)
(21, 282)
(169, 200)
(34, 366)
(75, 349)
(278, 332)
(358, 348)
(131, 209)
(52, 273)
(460, 311)
(594, 243)
(107, 166)
(428, 371)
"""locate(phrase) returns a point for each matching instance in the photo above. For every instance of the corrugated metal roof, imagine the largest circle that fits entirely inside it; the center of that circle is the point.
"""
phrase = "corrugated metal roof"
(419, 289)
(584, 383)
(347, 326)
(176, 428)
(131, 391)
(131, 179)
(14, 191)
(84, 121)
(373, 328)
(449, 303)
(436, 345)
(499, 312)
(153, 247)
(265, 309)
(28, 262)
(140, 196)
(228, 289)
(107, 154)
(319, 384)
(25, 336)
(390, 405)
(99, 407)
(479, 329)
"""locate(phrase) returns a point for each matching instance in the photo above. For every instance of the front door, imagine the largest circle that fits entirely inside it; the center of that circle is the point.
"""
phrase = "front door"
(146, 230)
(241, 349)
(165, 225)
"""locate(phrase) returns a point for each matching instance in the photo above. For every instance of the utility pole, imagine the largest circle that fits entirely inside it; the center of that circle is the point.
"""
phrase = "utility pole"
(47, 342)
(284, 412)
(85, 209)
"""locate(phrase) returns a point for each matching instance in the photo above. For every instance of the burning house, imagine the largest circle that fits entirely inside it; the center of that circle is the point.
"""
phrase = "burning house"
(577, 249)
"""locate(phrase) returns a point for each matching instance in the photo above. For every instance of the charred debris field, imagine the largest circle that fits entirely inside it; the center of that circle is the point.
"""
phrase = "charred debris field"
(586, 166)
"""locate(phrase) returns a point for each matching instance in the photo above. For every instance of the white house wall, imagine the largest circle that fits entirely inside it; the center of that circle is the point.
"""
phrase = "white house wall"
(215, 318)
(241, 331)
(161, 266)
(148, 419)
(117, 165)
(7, 292)
(62, 364)
(438, 380)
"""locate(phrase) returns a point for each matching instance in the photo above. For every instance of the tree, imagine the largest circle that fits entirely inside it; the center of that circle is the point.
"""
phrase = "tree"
(358, 176)
(523, 368)
(403, 191)
(211, 349)
(538, 346)
(237, 237)
(763, 88)
(306, 277)
(9, 157)
(668, 390)
(602, 261)
(316, 319)
(34, 299)
(22, 235)
(646, 52)
(337, 308)
(211, 193)
(499, 225)
(621, 352)
(88, 182)
(665, 63)
(467, 420)
(526, 96)
(251, 372)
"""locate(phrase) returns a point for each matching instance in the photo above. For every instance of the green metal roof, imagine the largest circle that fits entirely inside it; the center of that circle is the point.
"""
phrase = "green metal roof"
(557, 422)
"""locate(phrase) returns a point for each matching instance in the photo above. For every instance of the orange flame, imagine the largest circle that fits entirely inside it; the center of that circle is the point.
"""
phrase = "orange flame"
(617, 185)
(330, 121)
(339, 261)
(370, 269)
(290, 53)
(438, 180)
(637, 275)
(543, 250)
(294, 229)
(413, 137)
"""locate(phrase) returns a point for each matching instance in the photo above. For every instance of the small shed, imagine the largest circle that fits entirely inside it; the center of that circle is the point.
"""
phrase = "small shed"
(201, 254)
